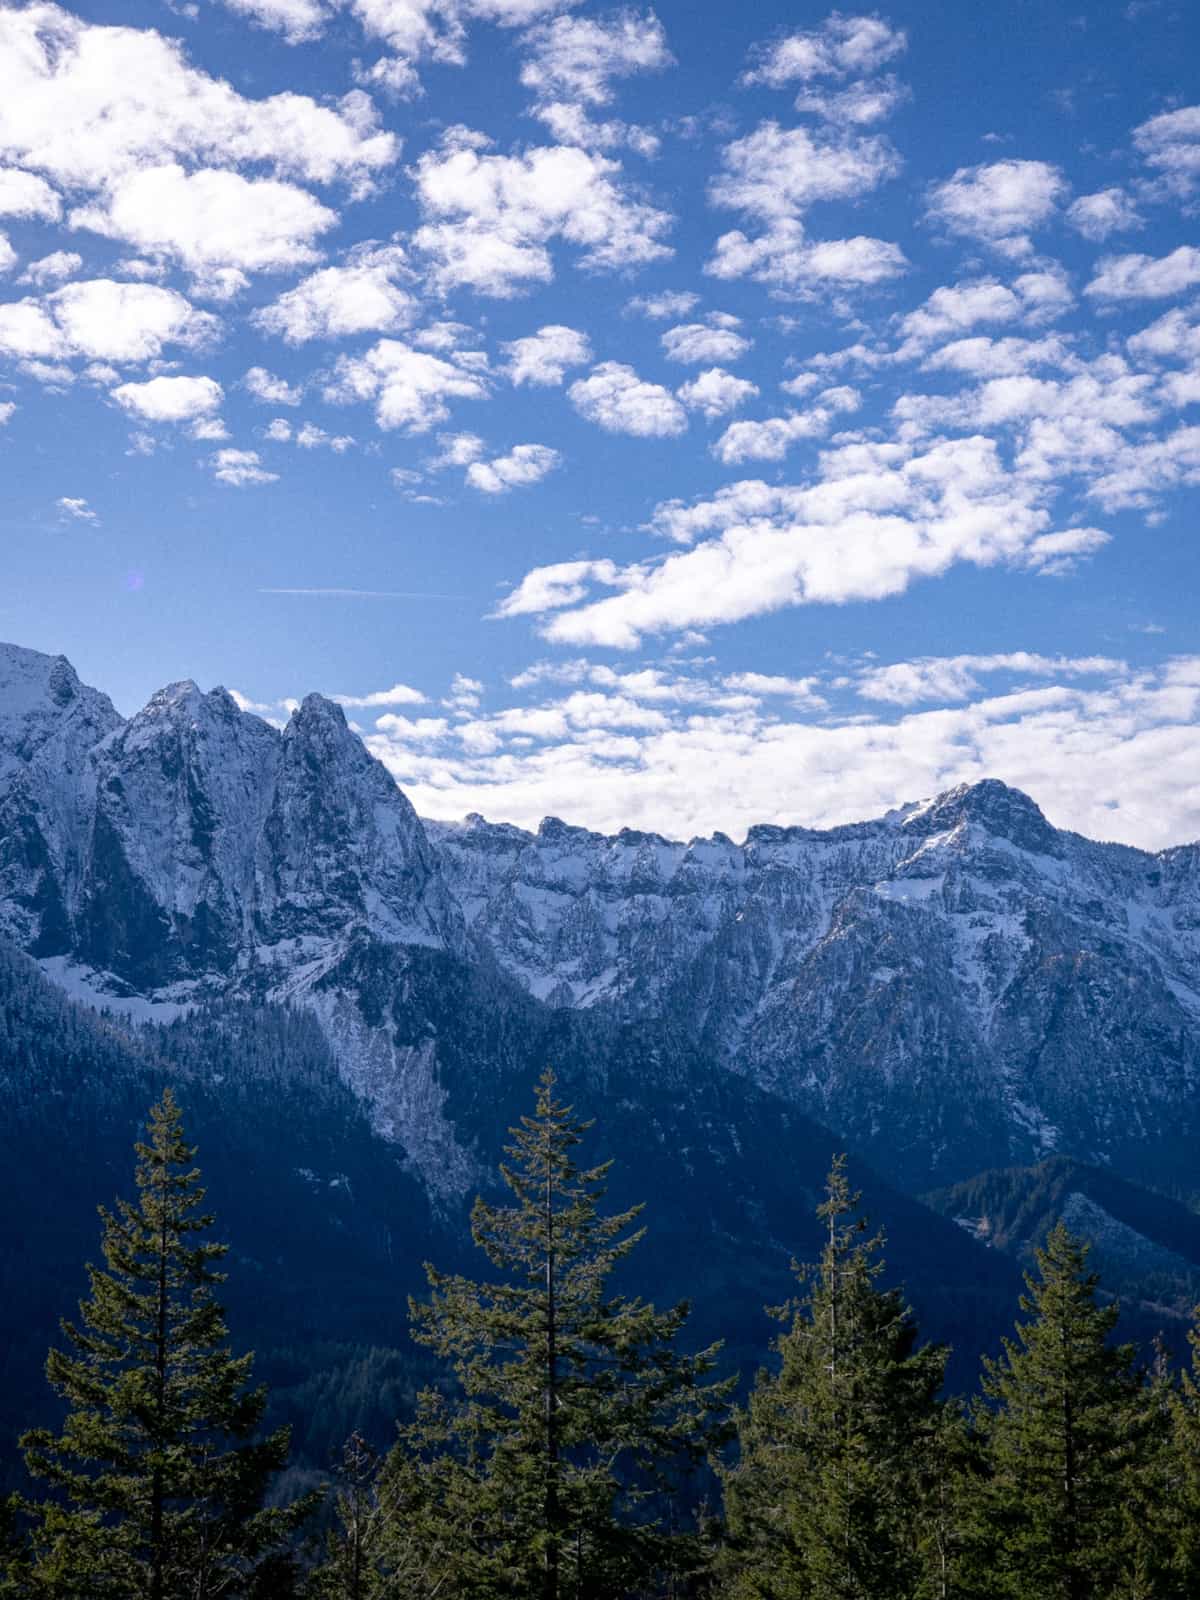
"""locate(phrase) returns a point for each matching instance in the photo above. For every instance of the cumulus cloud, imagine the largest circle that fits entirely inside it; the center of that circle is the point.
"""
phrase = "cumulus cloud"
(270, 390)
(696, 342)
(360, 297)
(77, 508)
(1141, 277)
(571, 66)
(780, 172)
(1170, 143)
(490, 218)
(999, 203)
(54, 268)
(297, 20)
(85, 104)
(789, 263)
(1107, 211)
(170, 399)
(770, 440)
(411, 389)
(543, 358)
(842, 46)
(24, 194)
(614, 397)
(956, 678)
(668, 303)
(211, 221)
(523, 466)
(400, 694)
(716, 392)
(103, 320)
(238, 468)
(878, 518)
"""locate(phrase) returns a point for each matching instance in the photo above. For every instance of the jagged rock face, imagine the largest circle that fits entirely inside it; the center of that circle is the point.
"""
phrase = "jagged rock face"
(953, 986)
(341, 846)
(49, 724)
(181, 795)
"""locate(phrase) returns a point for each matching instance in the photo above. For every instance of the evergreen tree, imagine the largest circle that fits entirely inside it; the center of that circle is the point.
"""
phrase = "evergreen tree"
(554, 1470)
(1178, 1498)
(828, 1496)
(158, 1480)
(1068, 1437)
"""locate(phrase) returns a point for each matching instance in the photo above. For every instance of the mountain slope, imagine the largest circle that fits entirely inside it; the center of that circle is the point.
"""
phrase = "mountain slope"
(951, 987)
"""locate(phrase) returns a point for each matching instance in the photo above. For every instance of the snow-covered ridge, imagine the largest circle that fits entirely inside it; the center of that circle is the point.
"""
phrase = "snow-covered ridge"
(950, 986)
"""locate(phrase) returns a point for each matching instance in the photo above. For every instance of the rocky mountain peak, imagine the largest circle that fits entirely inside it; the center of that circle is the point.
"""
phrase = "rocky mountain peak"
(996, 808)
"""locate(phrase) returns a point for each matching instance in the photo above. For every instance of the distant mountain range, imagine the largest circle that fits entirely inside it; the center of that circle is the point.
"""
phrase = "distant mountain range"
(954, 988)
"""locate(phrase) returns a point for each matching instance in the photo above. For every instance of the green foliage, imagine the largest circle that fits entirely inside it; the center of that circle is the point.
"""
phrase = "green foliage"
(833, 1495)
(1071, 1434)
(556, 1467)
(157, 1478)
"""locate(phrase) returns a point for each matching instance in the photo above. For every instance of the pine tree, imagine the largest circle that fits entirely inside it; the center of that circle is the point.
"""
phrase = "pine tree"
(158, 1479)
(827, 1496)
(1065, 1443)
(553, 1471)
(1178, 1502)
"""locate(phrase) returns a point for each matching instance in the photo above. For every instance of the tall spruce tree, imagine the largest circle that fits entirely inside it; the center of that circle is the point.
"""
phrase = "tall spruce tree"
(553, 1472)
(158, 1481)
(1177, 1502)
(1066, 1444)
(827, 1498)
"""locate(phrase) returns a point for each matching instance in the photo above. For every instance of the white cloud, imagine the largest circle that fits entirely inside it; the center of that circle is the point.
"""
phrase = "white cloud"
(24, 194)
(54, 268)
(669, 303)
(1107, 211)
(789, 263)
(614, 397)
(210, 221)
(878, 518)
(999, 203)
(859, 105)
(764, 684)
(310, 437)
(7, 411)
(956, 678)
(779, 172)
(695, 342)
(270, 390)
(490, 218)
(1115, 760)
(716, 392)
(954, 308)
(400, 694)
(170, 399)
(543, 357)
(576, 58)
(297, 20)
(241, 467)
(1171, 143)
(8, 256)
(411, 389)
(456, 450)
(1141, 277)
(85, 104)
(524, 465)
(361, 297)
(104, 320)
(841, 47)
(71, 506)
(770, 440)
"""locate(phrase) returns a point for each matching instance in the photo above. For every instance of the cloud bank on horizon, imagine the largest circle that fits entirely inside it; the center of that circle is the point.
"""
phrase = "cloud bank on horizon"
(753, 418)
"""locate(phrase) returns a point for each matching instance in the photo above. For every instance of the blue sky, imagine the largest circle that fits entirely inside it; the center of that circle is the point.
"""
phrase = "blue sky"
(678, 418)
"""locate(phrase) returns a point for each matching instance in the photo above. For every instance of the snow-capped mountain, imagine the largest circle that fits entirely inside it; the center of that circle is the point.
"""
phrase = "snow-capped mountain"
(951, 987)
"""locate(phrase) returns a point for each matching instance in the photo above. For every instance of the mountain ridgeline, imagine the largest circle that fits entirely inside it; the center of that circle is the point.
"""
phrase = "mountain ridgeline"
(353, 1004)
